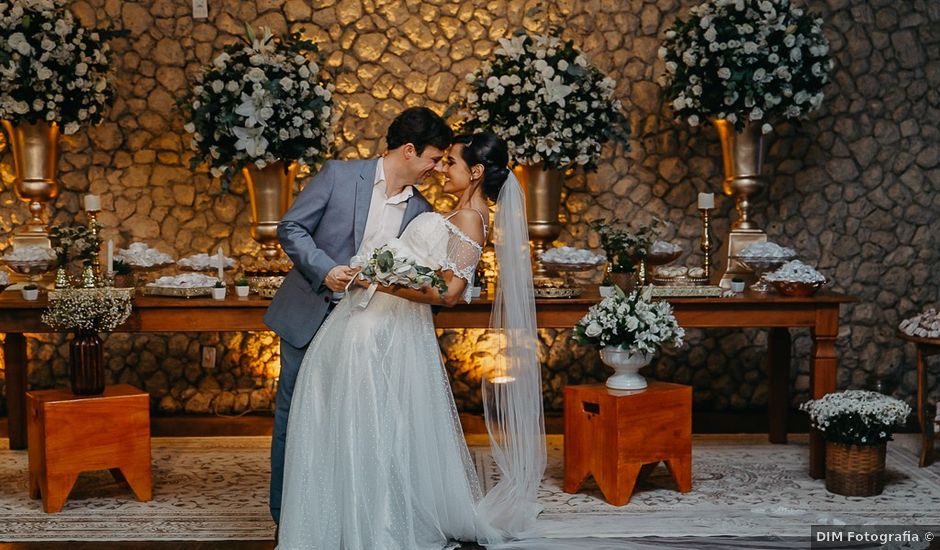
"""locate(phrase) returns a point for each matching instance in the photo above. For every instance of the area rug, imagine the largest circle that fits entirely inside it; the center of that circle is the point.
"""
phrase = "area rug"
(216, 489)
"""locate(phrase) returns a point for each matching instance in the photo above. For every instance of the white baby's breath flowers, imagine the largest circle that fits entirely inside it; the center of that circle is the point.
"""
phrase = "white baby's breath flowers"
(98, 310)
(924, 325)
(570, 255)
(796, 271)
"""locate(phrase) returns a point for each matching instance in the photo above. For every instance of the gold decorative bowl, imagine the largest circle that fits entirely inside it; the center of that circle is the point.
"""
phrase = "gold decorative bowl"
(797, 289)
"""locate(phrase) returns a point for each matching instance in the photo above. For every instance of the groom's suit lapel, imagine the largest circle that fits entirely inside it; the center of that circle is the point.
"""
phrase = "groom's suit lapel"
(412, 209)
(363, 200)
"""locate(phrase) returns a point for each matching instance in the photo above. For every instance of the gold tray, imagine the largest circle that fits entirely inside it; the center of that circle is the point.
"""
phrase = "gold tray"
(174, 292)
(266, 292)
(558, 292)
(687, 291)
(552, 266)
(683, 280)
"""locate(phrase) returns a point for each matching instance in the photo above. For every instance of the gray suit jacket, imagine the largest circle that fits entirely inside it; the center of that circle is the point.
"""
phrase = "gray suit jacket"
(323, 229)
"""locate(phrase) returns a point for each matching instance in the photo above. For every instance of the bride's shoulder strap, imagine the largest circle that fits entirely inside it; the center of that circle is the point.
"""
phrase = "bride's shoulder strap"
(465, 220)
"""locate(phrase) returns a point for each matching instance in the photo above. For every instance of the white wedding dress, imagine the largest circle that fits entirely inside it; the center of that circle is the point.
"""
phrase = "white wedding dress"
(376, 458)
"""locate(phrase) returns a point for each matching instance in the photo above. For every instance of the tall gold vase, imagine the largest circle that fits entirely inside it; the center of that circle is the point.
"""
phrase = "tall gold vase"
(542, 189)
(742, 155)
(35, 151)
(270, 191)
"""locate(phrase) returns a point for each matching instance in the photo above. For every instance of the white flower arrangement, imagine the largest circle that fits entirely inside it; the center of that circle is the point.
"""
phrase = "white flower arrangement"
(98, 310)
(631, 322)
(856, 417)
(51, 67)
(261, 101)
(745, 61)
(924, 325)
(387, 265)
(542, 96)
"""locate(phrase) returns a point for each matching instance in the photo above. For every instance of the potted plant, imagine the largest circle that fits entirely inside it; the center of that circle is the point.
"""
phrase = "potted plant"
(628, 329)
(857, 425)
(242, 287)
(123, 274)
(554, 109)
(30, 292)
(218, 291)
(737, 284)
(56, 77)
(87, 312)
(264, 107)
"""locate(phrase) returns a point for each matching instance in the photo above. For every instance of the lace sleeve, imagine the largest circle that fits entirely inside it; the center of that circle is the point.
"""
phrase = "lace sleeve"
(463, 255)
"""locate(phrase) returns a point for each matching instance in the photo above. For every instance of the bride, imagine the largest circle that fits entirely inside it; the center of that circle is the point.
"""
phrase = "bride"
(376, 457)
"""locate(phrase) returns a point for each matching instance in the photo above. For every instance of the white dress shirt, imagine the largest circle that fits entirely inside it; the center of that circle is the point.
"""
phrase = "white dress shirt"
(385, 213)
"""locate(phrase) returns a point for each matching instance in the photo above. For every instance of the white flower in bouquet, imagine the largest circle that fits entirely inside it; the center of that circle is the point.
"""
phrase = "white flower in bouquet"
(543, 85)
(51, 67)
(857, 417)
(99, 310)
(631, 322)
(745, 60)
(389, 265)
(260, 101)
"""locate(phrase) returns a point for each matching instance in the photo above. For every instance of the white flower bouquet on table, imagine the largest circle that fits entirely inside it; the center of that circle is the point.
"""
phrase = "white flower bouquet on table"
(261, 101)
(631, 322)
(98, 309)
(745, 60)
(51, 67)
(541, 95)
(387, 265)
(857, 417)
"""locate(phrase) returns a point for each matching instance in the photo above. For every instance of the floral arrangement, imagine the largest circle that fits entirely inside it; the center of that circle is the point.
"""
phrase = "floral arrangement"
(261, 101)
(541, 95)
(745, 60)
(856, 417)
(386, 265)
(51, 67)
(98, 309)
(622, 244)
(631, 322)
(74, 241)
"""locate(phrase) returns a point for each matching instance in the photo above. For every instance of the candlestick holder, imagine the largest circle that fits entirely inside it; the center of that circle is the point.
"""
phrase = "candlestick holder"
(95, 262)
(706, 243)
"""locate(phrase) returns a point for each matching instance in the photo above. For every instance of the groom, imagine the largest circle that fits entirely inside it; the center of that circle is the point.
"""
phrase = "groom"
(348, 206)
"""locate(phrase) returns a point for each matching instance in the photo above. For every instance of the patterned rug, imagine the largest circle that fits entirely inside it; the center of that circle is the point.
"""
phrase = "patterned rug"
(216, 489)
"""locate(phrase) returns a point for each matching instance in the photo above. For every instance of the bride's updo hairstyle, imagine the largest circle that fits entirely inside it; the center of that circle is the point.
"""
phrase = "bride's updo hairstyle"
(489, 150)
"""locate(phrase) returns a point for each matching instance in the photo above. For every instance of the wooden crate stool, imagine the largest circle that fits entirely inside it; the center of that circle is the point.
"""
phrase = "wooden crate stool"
(70, 434)
(620, 436)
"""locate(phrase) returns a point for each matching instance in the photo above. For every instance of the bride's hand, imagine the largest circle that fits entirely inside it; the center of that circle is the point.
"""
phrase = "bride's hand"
(360, 281)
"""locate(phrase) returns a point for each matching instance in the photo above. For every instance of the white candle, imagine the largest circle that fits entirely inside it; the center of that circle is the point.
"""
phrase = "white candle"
(221, 258)
(110, 256)
(706, 200)
(92, 203)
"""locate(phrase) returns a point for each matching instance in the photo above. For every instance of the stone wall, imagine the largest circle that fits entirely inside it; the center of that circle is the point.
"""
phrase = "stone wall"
(854, 189)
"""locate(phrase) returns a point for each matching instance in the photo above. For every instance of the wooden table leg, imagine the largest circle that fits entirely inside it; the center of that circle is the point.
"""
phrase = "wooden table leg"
(822, 378)
(778, 371)
(14, 364)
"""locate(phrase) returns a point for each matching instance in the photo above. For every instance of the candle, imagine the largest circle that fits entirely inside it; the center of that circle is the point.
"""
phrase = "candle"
(92, 203)
(110, 256)
(221, 258)
(706, 200)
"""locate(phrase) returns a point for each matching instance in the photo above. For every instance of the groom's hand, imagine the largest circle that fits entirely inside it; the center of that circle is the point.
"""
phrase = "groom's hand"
(338, 277)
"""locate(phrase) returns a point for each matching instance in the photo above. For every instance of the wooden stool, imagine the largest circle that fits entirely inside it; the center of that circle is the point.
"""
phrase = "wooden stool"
(926, 347)
(69, 434)
(620, 436)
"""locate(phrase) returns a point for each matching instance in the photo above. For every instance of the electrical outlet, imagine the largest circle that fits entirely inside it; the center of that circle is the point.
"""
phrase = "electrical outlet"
(200, 9)
(208, 357)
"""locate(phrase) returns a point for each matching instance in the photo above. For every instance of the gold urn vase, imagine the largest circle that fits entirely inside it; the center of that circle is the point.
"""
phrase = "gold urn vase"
(542, 188)
(270, 191)
(35, 151)
(742, 155)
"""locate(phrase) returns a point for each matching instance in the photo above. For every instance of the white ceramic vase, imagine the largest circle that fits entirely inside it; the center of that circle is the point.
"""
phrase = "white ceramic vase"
(625, 364)
(218, 293)
(242, 290)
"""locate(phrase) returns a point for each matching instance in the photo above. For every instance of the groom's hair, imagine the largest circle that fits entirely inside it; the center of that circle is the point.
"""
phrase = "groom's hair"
(420, 127)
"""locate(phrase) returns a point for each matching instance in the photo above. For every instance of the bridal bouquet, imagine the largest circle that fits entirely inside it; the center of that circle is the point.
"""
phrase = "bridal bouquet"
(51, 67)
(857, 417)
(541, 95)
(388, 266)
(261, 101)
(632, 322)
(745, 60)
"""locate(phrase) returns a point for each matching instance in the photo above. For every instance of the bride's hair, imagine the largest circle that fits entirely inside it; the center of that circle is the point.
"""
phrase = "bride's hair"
(489, 150)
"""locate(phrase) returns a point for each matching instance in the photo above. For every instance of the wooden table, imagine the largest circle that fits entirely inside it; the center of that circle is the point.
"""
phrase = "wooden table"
(926, 347)
(819, 313)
